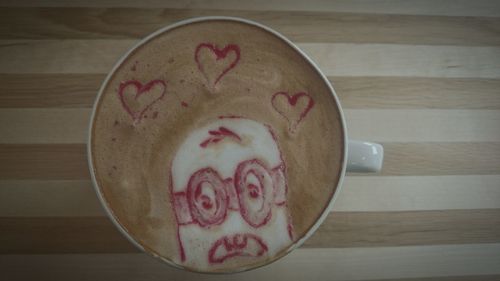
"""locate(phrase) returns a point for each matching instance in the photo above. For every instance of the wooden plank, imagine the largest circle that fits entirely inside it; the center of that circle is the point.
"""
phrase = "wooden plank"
(423, 7)
(60, 235)
(451, 278)
(120, 23)
(61, 56)
(403, 125)
(31, 126)
(342, 59)
(403, 60)
(441, 159)
(63, 198)
(80, 90)
(302, 264)
(374, 229)
(49, 90)
(76, 198)
(44, 126)
(51, 161)
(416, 93)
(68, 161)
(418, 193)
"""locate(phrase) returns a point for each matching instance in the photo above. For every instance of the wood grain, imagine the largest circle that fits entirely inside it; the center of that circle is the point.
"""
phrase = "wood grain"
(422, 7)
(80, 90)
(69, 161)
(376, 229)
(92, 23)
(416, 93)
(50, 161)
(44, 126)
(58, 235)
(56, 198)
(441, 158)
(49, 90)
(62, 235)
(342, 59)
(404, 125)
(302, 264)
(405, 60)
(418, 193)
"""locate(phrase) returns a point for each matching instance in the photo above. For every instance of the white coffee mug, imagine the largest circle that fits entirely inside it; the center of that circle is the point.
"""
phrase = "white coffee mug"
(362, 156)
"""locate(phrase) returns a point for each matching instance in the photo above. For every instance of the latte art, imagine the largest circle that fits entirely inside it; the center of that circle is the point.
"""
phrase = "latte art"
(231, 192)
(213, 62)
(215, 151)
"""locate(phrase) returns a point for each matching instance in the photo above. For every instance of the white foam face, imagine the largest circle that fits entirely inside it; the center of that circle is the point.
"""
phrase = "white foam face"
(244, 231)
(256, 142)
(197, 241)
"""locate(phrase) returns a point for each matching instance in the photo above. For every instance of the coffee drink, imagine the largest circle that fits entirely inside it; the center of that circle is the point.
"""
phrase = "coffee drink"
(216, 146)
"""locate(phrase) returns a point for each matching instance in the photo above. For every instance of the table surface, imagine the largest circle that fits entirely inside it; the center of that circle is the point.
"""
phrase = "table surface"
(420, 77)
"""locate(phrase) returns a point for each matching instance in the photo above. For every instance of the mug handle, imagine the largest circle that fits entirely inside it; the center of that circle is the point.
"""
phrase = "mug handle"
(364, 157)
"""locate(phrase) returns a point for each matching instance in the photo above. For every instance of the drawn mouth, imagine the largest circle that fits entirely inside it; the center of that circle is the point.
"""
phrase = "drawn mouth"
(236, 245)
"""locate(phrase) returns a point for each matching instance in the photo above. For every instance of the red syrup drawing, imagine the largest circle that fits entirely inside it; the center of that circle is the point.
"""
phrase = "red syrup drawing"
(253, 193)
(294, 108)
(207, 66)
(194, 206)
(136, 98)
(236, 245)
(217, 135)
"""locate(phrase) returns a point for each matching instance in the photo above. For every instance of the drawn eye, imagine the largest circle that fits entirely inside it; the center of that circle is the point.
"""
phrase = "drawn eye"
(254, 187)
(254, 190)
(207, 197)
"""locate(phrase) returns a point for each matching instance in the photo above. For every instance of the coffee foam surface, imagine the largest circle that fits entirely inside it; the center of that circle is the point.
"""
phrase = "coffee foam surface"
(132, 154)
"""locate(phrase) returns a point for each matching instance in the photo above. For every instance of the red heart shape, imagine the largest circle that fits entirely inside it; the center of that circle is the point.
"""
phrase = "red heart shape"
(136, 98)
(293, 109)
(220, 54)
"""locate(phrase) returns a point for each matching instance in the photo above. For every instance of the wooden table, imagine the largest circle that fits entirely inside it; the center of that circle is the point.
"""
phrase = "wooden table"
(421, 77)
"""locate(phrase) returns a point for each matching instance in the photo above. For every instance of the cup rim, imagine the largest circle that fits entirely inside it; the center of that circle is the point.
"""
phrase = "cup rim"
(107, 208)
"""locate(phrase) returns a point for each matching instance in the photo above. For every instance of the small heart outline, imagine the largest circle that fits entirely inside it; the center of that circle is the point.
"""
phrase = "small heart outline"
(292, 101)
(220, 54)
(140, 89)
